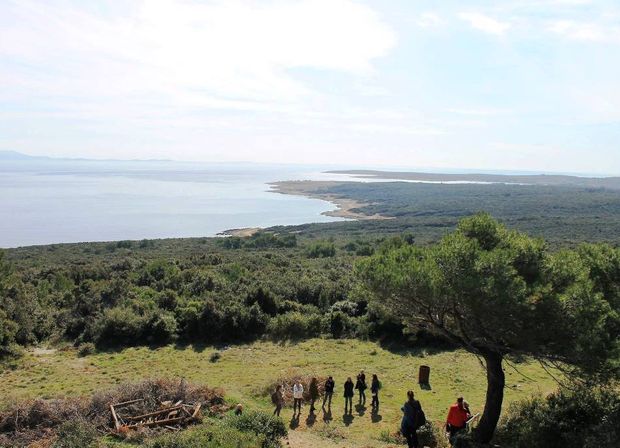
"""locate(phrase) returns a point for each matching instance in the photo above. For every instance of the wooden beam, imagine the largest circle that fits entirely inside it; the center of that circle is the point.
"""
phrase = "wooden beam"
(117, 425)
(158, 422)
(151, 414)
(124, 403)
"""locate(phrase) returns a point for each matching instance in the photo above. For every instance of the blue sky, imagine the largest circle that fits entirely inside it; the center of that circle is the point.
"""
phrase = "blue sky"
(495, 85)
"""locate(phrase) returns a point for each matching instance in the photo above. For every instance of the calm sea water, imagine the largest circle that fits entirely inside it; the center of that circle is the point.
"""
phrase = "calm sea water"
(55, 201)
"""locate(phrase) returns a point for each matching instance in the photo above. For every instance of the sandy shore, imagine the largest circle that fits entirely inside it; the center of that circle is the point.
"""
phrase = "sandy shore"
(346, 208)
(243, 232)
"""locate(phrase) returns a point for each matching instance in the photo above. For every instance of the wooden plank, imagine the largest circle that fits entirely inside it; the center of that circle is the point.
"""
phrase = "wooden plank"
(158, 422)
(117, 425)
(196, 411)
(150, 414)
(124, 403)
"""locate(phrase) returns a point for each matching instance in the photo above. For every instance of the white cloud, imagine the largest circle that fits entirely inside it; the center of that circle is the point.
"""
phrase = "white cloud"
(219, 53)
(484, 23)
(586, 31)
(429, 20)
(481, 112)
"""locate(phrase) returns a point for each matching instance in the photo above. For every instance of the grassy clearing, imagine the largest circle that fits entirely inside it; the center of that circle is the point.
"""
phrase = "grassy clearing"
(244, 370)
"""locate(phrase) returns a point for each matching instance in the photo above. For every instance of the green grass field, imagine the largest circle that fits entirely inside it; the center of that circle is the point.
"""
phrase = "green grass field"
(245, 370)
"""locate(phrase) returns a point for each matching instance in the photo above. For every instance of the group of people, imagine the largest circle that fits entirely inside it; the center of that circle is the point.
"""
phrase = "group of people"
(413, 415)
(328, 392)
(413, 418)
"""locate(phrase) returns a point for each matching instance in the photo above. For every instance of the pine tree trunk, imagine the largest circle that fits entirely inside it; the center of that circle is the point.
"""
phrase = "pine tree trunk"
(495, 397)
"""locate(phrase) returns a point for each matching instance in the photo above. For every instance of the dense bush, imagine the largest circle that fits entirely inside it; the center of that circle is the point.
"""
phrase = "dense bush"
(582, 418)
(8, 328)
(194, 290)
(260, 240)
(262, 423)
(161, 328)
(321, 249)
(265, 300)
(295, 325)
(341, 325)
(120, 327)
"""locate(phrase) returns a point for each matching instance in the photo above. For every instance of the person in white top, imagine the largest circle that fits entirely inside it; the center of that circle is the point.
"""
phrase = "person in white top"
(298, 396)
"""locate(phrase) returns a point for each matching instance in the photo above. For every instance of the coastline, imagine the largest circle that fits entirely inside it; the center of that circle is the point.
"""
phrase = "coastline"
(241, 232)
(345, 208)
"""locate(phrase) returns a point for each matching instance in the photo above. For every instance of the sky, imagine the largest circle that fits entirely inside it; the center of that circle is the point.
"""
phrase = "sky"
(492, 85)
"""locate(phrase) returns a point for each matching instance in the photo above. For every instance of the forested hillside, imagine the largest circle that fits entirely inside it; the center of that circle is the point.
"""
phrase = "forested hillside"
(564, 215)
(498, 293)
(157, 292)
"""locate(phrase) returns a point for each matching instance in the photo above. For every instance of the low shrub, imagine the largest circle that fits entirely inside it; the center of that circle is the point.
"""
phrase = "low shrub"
(75, 434)
(86, 348)
(432, 436)
(331, 432)
(261, 423)
(581, 418)
(394, 437)
(429, 435)
(217, 436)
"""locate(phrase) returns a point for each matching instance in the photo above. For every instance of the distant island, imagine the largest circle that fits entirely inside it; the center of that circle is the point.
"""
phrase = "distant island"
(17, 156)
(529, 179)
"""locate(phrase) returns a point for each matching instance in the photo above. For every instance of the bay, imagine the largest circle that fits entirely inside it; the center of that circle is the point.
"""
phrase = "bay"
(63, 201)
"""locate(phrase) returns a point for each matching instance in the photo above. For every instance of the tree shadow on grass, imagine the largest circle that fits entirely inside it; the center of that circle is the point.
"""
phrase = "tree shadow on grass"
(417, 348)
(200, 347)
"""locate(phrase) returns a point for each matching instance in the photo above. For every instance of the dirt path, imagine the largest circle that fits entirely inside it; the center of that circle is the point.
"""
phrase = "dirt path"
(305, 439)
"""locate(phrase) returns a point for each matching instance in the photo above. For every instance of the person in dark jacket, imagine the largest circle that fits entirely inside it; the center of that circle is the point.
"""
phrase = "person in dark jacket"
(348, 395)
(360, 385)
(410, 422)
(313, 390)
(278, 400)
(329, 392)
(375, 385)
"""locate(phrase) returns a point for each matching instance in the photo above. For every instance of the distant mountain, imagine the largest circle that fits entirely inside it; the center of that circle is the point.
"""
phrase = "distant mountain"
(14, 155)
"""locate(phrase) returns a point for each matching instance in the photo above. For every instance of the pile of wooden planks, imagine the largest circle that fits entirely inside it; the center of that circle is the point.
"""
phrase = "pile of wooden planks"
(169, 415)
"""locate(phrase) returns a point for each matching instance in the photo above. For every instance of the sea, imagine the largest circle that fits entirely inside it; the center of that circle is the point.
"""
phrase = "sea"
(45, 201)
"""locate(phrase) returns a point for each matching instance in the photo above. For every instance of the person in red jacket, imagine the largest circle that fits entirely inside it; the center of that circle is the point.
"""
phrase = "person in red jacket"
(457, 418)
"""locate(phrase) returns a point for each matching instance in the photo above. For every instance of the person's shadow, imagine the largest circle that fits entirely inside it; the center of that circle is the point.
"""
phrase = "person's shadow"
(294, 423)
(311, 419)
(327, 416)
(361, 409)
(347, 419)
(375, 417)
